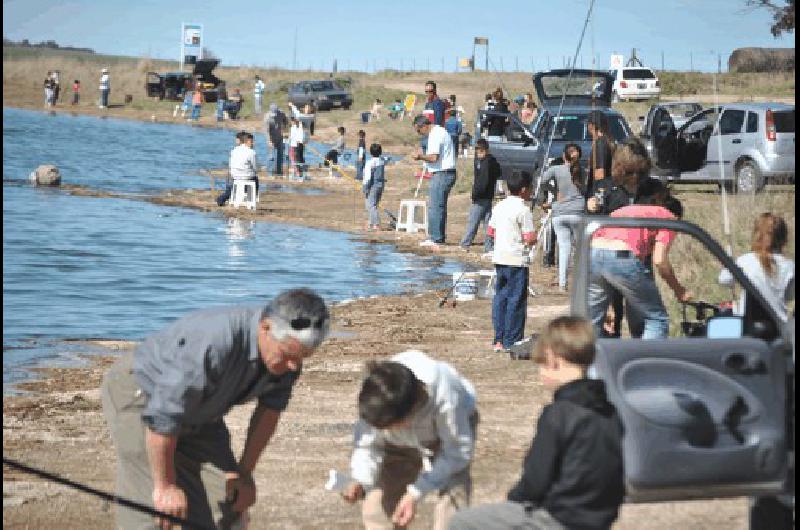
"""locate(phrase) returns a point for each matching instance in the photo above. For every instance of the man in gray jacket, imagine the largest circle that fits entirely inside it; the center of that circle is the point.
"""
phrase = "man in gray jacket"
(165, 406)
(415, 436)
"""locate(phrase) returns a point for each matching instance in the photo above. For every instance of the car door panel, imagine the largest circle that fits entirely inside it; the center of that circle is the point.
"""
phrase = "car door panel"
(703, 417)
(691, 419)
(664, 140)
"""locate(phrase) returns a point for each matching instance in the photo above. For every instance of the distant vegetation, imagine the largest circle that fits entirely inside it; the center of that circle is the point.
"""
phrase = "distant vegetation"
(49, 44)
(761, 60)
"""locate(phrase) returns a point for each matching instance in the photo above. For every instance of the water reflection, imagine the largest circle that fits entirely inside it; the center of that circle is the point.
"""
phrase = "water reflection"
(238, 230)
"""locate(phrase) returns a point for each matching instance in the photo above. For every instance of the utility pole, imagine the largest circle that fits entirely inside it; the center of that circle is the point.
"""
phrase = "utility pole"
(691, 62)
(294, 53)
(516, 63)
(719, 63)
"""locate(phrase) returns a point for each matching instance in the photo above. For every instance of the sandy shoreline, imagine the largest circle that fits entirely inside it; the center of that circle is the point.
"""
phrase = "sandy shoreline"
(58, 425)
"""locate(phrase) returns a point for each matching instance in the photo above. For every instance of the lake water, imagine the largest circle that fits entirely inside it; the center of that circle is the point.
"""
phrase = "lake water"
(85, 267)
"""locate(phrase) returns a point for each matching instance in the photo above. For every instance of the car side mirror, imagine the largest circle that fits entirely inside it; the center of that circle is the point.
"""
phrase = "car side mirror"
(726, 327)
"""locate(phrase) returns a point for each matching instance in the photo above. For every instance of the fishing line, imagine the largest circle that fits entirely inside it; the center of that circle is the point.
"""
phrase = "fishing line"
(564, 96)
(104, 495)
(726, 223)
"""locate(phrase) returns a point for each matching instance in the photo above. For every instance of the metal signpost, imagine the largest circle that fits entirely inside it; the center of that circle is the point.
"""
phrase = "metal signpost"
(482, 41)
(191, 43)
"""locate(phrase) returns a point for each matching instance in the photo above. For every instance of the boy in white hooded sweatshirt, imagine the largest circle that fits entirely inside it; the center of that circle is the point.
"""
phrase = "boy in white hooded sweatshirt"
(415, 435)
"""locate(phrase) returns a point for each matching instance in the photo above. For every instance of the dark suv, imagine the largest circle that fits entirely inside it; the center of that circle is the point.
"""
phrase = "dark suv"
(173, 84)
(522, 147)
(325, 95)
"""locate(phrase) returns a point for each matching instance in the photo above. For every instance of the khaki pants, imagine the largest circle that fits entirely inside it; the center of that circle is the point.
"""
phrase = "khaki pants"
(202, 457)
(401, 467)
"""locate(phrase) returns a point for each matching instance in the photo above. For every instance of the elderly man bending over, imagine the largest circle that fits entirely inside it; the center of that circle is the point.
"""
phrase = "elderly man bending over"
(165, 405)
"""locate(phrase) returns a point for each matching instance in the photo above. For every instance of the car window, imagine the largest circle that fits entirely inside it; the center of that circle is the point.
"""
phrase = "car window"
(784, 121)
(638, 73)
(322, 85)
(617, 129)
(731, 122)
(752, 122)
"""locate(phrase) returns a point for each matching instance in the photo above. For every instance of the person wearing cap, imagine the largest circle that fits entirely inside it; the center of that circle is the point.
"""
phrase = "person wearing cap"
(105, 88)
(440, 158)
(415, 437)
(434, 103)
(276, 124)
(165, 404)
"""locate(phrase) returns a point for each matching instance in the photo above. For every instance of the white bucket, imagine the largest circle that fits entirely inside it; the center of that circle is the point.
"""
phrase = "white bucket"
(465, 286)
(486, 284)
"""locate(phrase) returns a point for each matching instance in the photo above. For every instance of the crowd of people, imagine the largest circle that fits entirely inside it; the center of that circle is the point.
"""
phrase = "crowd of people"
(418, 417)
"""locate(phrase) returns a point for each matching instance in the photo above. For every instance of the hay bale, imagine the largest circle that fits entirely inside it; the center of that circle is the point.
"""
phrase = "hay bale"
(46, 175)
(761, 60)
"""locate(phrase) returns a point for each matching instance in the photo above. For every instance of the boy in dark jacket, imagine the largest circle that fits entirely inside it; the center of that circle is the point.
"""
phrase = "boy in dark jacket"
(572, 476)
(487, 171)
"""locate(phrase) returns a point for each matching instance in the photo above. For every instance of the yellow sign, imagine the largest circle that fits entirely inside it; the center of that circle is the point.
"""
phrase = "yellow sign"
(465, 63)
(411, 100)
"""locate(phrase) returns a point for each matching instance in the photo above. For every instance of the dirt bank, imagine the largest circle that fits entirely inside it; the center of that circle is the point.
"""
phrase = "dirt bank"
(59, 425)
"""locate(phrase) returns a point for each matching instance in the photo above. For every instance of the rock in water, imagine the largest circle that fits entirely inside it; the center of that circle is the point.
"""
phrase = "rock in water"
(46, 175)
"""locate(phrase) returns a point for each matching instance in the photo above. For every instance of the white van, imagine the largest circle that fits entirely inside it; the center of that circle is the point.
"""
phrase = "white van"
(634, 82)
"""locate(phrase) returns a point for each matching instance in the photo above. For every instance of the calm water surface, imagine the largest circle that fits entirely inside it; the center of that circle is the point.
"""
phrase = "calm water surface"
(85, 267)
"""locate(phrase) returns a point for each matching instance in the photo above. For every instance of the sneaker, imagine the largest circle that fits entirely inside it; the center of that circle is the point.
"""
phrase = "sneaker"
(487, 255)
(428, 243)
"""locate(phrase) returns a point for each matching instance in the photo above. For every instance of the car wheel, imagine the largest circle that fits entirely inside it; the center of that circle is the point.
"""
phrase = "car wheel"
(748, 178)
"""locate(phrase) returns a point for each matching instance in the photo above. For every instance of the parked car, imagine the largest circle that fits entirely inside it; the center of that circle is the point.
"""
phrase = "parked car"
(634, 82)
(523, 147)
(172, 84)
(709, 411)
(742, 146)
(325, 95)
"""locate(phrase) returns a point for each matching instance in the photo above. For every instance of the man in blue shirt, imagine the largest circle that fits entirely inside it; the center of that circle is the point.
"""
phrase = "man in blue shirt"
(165, 405)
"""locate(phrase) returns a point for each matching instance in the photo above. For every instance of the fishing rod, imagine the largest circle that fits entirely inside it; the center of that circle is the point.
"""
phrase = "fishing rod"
(104, 495)
(563, 96)
(726, 223)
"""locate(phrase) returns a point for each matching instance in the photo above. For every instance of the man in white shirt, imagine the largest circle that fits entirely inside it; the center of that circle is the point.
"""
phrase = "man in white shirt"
(440, 159)
(297, 137)
(105, 88)
(242, 165)
(415, 436)
(258, 94)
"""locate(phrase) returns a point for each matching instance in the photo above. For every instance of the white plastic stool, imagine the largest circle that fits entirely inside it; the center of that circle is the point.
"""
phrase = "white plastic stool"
(410, 209)
(244, 194)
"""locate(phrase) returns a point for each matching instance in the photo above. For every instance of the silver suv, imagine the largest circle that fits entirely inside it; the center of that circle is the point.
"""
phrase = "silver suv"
(742, 146)
(325, 95)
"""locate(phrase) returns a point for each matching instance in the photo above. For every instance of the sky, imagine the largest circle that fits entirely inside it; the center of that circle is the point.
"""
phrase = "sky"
(525, 35)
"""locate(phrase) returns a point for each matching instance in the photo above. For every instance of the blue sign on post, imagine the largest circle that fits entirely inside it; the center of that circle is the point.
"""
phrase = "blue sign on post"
(191, 43)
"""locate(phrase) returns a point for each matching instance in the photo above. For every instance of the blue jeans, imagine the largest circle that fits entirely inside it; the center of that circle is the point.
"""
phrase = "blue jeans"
(564, 236)
(441, 184)
(481, 210)
(257, 101)
(372, 200)
(623, 271)
(104, 97)
(360, 169)
(277, 153)
(220, 109)
(510, 304)
(195, 112)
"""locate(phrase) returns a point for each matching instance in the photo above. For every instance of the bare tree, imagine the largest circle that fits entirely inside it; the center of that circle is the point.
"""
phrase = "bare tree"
(783, 16)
